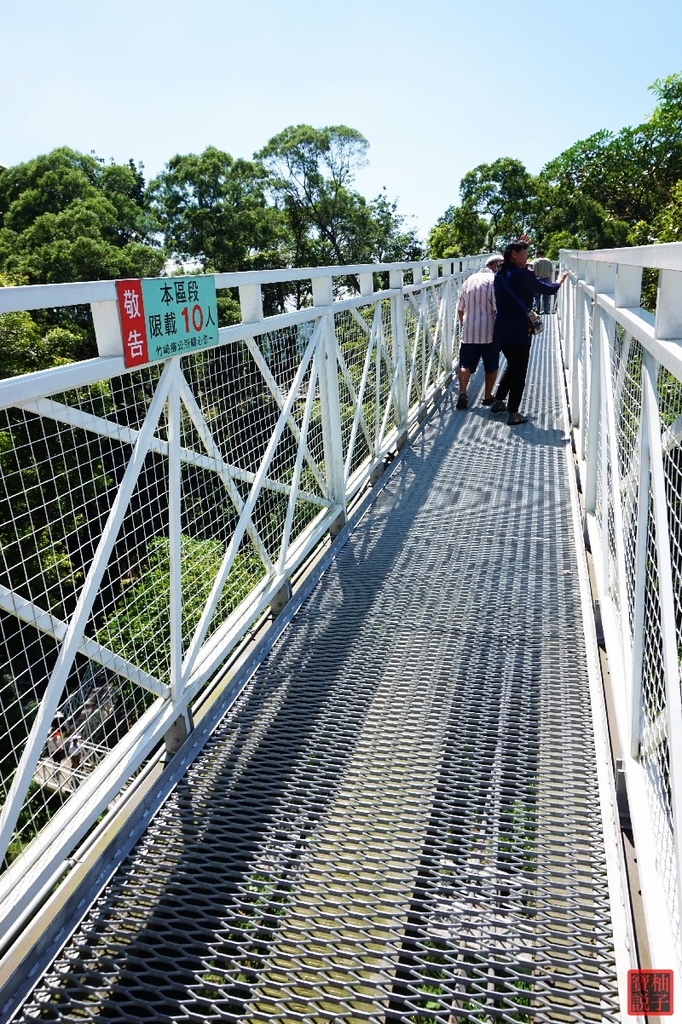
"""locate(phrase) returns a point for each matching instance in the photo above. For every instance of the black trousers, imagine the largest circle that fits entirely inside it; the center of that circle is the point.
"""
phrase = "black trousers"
(514, 377)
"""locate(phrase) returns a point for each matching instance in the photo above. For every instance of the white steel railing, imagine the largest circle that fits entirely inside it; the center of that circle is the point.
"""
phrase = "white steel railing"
(151, 516)
(624, 368)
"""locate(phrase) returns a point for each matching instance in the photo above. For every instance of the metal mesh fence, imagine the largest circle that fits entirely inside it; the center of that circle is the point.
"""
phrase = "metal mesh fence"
(425, 323)
(206, 479)
(367, 382)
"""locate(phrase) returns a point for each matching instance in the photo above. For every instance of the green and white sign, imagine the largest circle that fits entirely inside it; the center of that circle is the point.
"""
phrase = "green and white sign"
(163, 317)
(180, 315)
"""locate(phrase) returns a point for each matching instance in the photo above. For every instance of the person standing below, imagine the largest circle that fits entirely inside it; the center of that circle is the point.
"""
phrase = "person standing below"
(543, 272)
(476, 312)
(515, 287)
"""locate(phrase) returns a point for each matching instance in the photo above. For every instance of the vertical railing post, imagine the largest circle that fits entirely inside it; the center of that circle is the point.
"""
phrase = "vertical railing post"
(448, 285)
(641, 559)
(601, 355)
(175, 530)
(399, 344)
(330, 407)
(183, 725)
(594, 424)
(628, 286)
(577, 357)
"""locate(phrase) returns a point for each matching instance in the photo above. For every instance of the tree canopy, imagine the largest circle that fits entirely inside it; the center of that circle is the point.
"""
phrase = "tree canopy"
(311, 176)
(70, 217)
(610, 189)
(213, 209)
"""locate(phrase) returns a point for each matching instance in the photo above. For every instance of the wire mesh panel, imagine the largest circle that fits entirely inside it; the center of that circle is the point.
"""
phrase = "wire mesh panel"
(425, 346)
(399, 818)
(628, 419)
(670, 409)
(367, 382)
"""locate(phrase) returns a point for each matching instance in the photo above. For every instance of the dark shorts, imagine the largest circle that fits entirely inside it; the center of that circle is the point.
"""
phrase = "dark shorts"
(469, 356)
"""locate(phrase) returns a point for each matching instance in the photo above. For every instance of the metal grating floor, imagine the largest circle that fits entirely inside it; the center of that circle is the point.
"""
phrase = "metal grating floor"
(399, 819)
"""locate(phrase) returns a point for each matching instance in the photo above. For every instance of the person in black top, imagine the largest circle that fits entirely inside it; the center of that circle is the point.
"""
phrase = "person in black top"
(515, 287)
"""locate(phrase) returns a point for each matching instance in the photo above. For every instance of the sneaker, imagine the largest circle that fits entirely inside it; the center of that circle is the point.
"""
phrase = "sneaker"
(462, 402)
(515, 420)
(498, 406)
(488, 401)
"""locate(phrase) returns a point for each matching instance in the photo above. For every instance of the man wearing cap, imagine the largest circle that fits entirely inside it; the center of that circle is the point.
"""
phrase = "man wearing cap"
(476, 311)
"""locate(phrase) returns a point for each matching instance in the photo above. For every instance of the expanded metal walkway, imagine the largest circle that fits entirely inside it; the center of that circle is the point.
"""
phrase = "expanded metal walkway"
(399, 819)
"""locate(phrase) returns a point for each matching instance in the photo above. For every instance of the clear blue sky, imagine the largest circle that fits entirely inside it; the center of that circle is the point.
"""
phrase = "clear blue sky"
(436, 87)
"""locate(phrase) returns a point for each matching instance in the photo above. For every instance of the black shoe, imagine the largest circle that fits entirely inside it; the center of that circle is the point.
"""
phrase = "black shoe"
(462, 402)
(498, 406)
(488, 401)
(514, 420)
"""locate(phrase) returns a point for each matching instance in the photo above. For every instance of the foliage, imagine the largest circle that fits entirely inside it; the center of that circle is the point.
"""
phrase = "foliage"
(612, 189)
(501, 193)
(459, 232)
(608, 190)
(667, 226)
(68, 217)
(312, 171)
(213, 209)
(139, 627)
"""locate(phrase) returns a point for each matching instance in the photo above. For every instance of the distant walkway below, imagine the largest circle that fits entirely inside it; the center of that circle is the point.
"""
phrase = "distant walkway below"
(399, 819)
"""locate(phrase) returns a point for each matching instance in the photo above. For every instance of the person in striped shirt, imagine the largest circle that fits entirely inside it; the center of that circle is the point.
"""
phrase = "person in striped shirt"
(476, 310)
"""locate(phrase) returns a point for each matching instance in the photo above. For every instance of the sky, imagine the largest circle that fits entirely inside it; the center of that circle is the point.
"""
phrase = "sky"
(436, 87)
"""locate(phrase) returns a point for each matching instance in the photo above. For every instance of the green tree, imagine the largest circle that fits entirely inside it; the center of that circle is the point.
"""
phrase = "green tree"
(668, 223)
(312, 171)
(459, 232)
(66, 216)
(25, 347)
(213, 209)
(501, 193)
(611, 188)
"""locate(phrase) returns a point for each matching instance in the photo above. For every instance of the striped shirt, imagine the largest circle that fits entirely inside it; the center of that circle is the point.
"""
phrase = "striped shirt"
(477, 301)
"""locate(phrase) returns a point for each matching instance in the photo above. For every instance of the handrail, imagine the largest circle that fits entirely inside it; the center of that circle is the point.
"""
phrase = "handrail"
(624, 373)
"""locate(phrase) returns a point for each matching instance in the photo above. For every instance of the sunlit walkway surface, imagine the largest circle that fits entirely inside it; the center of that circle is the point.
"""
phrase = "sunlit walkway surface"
(399, 819)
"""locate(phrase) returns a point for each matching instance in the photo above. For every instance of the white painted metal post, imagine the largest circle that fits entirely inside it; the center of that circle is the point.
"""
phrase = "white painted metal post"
(601, 356)
(641, 557)
(448, 286)
(594, 425)
(175, 529)
(251, 303)
(669, 305)
(572, 345)
(323, 296)
(628, 286)
(399, 343)
(582, 366)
